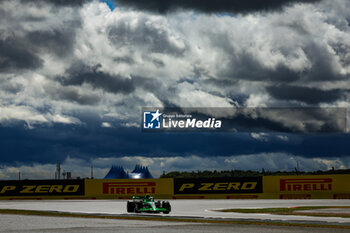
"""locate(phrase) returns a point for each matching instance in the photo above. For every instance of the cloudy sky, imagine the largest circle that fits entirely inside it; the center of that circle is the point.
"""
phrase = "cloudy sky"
(74, 76)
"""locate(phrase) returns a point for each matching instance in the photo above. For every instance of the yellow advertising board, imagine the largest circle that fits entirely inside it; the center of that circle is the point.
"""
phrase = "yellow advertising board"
(42, 189)
(126, 188)
(266, 187)
(307, 187)
(218, 188)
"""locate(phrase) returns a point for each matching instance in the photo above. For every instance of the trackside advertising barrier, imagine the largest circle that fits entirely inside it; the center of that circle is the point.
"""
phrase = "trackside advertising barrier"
(42, 189)
(126, 188)
(266, 187)
(307, 187)
(231, 187)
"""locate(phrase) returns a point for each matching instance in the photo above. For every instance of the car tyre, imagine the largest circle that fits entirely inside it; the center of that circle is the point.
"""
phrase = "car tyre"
(130, 207)
(166, 205)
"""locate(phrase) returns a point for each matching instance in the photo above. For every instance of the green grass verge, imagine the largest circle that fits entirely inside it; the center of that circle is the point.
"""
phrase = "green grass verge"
(169, 219)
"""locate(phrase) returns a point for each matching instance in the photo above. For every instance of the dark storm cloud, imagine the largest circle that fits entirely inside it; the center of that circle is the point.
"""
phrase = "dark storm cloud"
(57, 2)
(126, 60)
(21, 46)
(342, 51)
(49, 144)
(57, 41)
(18, 53)
(245, 66)
(15, 55)
(323, 63)
(239, 64)
(286, 120)
(304, 94)
(73, 95)
(10, 87)
(210, 6)
(79, 74)
(145, 36)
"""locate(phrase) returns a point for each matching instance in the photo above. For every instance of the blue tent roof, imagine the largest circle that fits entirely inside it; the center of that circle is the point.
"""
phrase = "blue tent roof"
(116, 172)
(139, 172)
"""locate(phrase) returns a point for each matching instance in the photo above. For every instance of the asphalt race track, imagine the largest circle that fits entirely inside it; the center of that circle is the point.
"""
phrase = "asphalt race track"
(200, 209)
(22, 223)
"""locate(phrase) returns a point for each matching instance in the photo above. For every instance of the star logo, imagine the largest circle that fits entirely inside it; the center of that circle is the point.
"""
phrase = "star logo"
(152, 120)
(156, 115)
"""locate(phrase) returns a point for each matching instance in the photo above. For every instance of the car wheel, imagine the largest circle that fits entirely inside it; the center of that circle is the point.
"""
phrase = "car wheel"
(166, 205)
(130, 206)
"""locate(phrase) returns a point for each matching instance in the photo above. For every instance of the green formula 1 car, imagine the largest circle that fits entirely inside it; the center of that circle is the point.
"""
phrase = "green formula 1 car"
(147, 204)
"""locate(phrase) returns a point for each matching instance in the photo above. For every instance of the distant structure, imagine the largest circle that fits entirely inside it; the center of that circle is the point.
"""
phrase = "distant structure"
(139, 172)
(58, 171)
(67, 175)
(116, 172)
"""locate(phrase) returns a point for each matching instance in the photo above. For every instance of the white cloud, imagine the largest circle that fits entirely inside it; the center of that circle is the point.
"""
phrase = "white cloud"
(180, 58)
(190, 97)
(184, 59)
(257, 100)
(282, 137)
(156, 165)
(264, 137)
(31, 116)
(106, 125)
